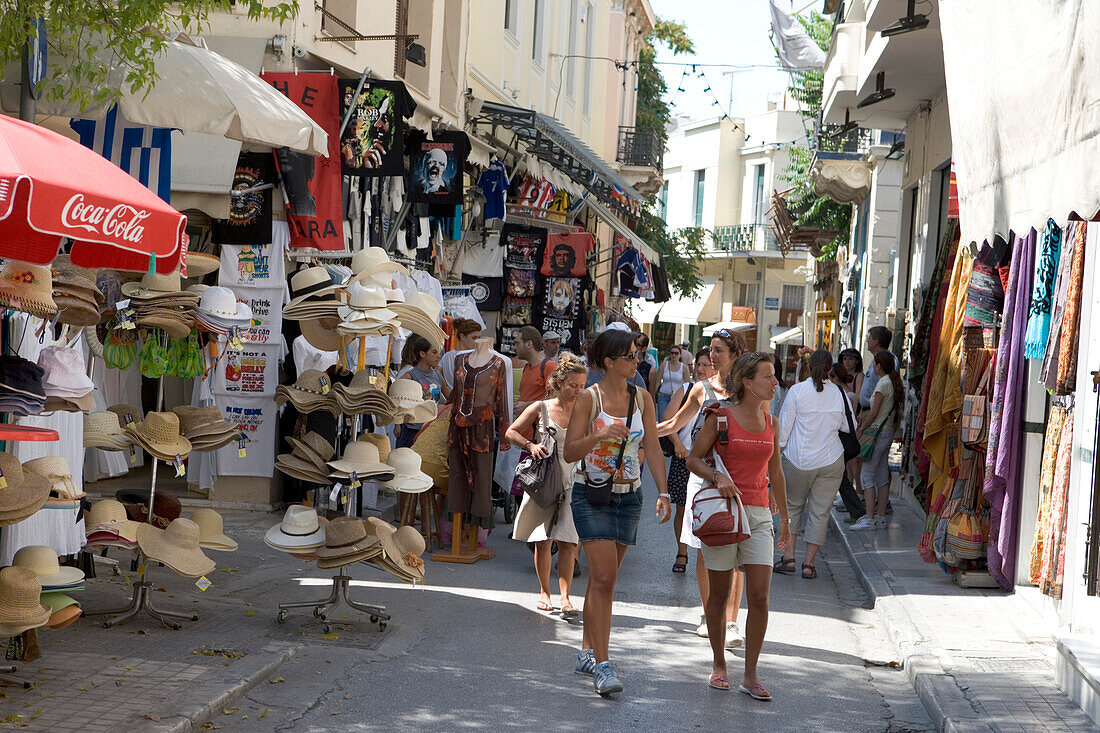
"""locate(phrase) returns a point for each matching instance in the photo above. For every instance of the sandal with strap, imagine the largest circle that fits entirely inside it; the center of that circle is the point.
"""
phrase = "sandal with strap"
(680, 567)
(809, 572)
(719, 681)
(756, 691)
(784, 566)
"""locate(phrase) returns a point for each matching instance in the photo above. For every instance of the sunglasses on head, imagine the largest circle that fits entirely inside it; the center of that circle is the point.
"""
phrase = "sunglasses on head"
(724, 332)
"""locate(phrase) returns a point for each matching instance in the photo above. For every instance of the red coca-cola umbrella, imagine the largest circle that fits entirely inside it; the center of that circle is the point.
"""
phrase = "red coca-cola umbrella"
(52, 187)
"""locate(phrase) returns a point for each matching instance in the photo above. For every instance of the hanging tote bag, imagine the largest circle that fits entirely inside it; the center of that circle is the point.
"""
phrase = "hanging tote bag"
(965, 533)
(599, 489)
(541, 477)
(974, 423)
(715, 519)
(848, 438)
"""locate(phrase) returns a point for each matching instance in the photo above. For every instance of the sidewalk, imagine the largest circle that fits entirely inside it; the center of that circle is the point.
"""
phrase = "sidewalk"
(978, 659)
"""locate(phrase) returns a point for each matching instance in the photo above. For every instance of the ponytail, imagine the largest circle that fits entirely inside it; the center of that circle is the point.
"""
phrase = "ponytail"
(885, 361)
(821, 362)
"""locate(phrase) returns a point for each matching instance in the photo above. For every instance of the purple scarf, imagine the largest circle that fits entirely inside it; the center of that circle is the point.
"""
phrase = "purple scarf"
(1002, 475)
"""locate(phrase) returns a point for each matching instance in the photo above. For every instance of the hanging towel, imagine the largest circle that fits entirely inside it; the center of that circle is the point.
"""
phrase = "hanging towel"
(1049, 373)
(1046, 272)
(1071, 322)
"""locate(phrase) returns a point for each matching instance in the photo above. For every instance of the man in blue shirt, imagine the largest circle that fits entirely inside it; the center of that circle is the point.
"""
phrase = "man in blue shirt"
(878, 339)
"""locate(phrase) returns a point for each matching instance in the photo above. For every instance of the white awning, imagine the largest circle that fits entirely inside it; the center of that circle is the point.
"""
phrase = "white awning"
(644, 311)
(704, 307)
(729, 326)
(615, 223)
(786, 336)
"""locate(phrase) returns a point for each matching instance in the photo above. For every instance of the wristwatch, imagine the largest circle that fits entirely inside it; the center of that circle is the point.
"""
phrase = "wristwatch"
(664, 496)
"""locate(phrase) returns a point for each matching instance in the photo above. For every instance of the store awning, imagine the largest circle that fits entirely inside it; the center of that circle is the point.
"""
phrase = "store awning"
(617, 224)
(785, 336)
(644, 311)
(729, 326)
(704, 307)
(548, 140)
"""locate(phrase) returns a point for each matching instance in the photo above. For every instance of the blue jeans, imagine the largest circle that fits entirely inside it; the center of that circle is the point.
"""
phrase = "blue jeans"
(618, 521)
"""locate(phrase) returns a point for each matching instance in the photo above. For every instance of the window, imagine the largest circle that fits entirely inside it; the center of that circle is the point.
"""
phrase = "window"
(572, 32)
(588, 20)
(342, 9)
(697, 200)
(746, 295)
(758, 194)
(511, 11)
(793, 298)
(537, 33)
(663, 201)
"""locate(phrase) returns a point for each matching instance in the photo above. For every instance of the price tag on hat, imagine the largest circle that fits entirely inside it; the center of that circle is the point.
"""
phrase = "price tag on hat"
(129, 421)
(335, 493)
(235, 339)
(355, 483)
(3, 481)
(178, 463)
(242, 440)
(133, 454)
(324, 384)
(203, 583)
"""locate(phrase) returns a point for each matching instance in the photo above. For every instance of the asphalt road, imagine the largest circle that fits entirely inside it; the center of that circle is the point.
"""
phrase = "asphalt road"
(470, 652)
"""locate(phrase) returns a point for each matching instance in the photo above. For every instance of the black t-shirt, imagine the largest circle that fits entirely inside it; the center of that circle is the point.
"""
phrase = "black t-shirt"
(373, 142)
(435, 167)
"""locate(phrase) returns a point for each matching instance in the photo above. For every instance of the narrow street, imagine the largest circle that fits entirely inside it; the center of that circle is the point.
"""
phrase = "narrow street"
(470, 652)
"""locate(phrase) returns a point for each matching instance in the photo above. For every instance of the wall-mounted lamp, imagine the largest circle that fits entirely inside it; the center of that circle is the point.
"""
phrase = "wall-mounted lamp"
(912, 21)
(881, 92)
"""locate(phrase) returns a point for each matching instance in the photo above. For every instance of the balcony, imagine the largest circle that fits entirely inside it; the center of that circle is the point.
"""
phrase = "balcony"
(839, 168)
(641, 148)
(743, 238)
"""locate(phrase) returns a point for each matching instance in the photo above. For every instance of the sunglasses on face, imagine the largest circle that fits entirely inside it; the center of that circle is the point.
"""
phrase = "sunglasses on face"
(632, 356)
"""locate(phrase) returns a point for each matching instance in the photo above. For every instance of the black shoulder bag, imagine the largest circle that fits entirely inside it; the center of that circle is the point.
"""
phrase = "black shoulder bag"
(599, 489)
(848, 439)
(666, 443)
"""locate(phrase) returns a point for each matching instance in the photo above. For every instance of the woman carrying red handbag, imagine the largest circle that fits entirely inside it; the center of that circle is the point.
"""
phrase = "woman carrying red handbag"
(750, 453)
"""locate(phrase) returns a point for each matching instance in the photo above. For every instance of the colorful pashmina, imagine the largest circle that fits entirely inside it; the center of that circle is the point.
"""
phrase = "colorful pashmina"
(1046, 271)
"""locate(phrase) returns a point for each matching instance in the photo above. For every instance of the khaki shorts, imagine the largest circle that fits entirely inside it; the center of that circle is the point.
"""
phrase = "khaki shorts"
(756, 550)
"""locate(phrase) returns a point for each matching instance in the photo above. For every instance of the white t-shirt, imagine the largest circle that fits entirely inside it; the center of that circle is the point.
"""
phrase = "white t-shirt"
(808, 425)
(484, 257)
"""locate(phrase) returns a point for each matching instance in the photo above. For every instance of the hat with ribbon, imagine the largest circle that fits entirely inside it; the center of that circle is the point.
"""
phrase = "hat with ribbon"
(373, 261)
(43, 561)
(362, 459)
(56, 470)
(177, 546)
(299, 530)
(159, 434)
(109, 515)
(366, 304)
(211, 530)
(220, 305)
(28, 288)
(346, 542)
(402, 548)
(103, 430)
(407, 475)
(313, 294)
(20, 605)
(308, 393)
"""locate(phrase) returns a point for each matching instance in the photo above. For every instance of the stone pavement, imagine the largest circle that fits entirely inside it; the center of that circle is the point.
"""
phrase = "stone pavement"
(980, 659)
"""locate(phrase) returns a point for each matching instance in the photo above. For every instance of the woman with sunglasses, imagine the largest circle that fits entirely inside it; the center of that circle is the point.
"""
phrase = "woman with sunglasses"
(670, 376)
(611, 423)
(725, 346)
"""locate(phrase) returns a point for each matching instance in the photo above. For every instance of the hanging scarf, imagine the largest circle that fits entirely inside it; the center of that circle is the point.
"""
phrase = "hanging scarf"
(1052, 567)
(1071, 336)
(1051, 441)
(1046, 272)
(1049, 373)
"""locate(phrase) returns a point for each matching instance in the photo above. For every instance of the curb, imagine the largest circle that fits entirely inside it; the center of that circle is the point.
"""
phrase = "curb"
(194, 718)
(947, 704)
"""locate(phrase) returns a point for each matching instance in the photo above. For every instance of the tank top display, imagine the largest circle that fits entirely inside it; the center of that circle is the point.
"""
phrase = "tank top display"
(670, 382)
(746, 456)
(601, 460)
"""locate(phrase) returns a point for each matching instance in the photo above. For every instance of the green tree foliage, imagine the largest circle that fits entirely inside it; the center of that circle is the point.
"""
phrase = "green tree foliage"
(809, 208)
(679, 249)
(88, 38)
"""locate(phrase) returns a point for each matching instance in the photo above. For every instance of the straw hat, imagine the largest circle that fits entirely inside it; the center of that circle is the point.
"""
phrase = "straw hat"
(314, 448)
(198, 422)
(361, 458)
(299, 530)
(28, 288)
(177, 547)
(306, 394)
(174, 327)
(311, 286)
(407, 476)
(25, 493)
(372, 261)
(346, 541)
(110, 516)
(211, 530)
(403, 547)
(153, 286)
(159, 434)
(360, 395)
(406, 394)
(418, 305)
(381, 441)
(127, 413)
(201, 263)
(301, 469)
(20, 607)
(56, 470)
(320, 333)
(64, 609)
(43, 561)
(366, 303)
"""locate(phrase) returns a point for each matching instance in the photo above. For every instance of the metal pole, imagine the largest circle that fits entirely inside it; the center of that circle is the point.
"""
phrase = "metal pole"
(26, 88)
(354, 97)
(153, 483)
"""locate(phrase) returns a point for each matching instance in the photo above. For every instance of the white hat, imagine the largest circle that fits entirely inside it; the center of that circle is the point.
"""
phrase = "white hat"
(299, 530)
(366, 303)
(220, 304)
(407, 476)
(617, 326)
(551, 335)
(63, 373)
(372, 261)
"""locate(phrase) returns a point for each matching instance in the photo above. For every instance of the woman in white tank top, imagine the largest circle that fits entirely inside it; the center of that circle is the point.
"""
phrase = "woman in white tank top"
(670, 376)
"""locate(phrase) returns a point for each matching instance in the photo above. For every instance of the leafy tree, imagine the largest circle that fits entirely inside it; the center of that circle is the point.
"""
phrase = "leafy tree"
(809, 208)
(87, 39)
(679, 249)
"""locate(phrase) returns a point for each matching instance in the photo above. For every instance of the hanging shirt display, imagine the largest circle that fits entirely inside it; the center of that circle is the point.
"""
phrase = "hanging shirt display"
(373, 143)
(435, 167)
(484, 256)
(494, 185)
(487, 292)
(253, 265)
(567, 254)
(535, 192)
(257, 418)
(251, 370)
(523, 246)
(249, 219)
(267, 313)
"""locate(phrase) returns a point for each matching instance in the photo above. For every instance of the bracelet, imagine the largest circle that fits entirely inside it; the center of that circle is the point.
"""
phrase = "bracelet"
(664, 496)
(784, 521)
(713, 475)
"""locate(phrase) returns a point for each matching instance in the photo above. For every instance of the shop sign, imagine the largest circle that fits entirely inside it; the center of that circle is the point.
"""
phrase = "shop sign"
(771, 304)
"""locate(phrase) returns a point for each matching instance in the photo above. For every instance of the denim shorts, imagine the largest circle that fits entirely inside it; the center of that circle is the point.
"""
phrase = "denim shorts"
(618, 521)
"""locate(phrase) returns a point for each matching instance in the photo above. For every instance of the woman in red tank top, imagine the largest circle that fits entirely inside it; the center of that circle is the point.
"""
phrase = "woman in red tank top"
(750, 452)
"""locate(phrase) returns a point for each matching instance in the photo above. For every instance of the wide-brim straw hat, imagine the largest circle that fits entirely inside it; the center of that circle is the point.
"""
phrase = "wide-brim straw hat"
(314, 448)
(201, 263)
(381, 441)
(102, 430)
(356, 329)
(407, 476)
(20, 605)
(403, 547)
(206, 443)
(174, 327)
(311, 285)
(300, 529)
(56, 470)
(159, 434)
(43, 561)
(361, 458)
(347, 536)
(320, 333)
(372, 261)
(153, 286)
(25, 493)
(69, 404)
(177, 547)
(75, 310)
(424, 412)
(298, 468)
(28, 288)
(109, 515)
(212, 530)
(123, 409)
(196, 422)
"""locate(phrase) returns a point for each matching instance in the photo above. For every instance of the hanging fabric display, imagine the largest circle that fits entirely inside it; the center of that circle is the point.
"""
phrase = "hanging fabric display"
(374, 140)
(256, 418)
(1051, 442)
(435, 167)
(1052, 565)
(1046, 271)
(249, 219)
(267, 314)
(142, 151)
(251, 370)
(313, 185)
(1049, 373)
(1070, 336)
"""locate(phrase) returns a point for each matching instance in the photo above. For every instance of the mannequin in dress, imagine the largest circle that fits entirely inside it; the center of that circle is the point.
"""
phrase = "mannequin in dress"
(482, 353)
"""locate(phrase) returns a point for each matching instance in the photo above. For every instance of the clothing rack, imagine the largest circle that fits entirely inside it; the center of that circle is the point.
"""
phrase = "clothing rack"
(340, 592)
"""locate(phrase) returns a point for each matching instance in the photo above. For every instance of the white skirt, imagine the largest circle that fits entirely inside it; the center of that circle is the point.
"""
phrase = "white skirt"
(532, 521)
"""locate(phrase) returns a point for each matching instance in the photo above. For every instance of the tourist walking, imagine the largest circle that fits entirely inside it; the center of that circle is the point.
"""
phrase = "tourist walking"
(876, 427)
(610, 423)
(813, 458)
(668, 378)
(546, 525)
(749, 450)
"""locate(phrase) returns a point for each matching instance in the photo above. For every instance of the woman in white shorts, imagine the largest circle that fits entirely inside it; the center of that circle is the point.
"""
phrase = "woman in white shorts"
(749, 448)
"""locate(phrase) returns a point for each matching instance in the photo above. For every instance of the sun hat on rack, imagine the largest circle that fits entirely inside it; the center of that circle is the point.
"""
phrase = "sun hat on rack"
(366, 303)
(403, 548)
(103, 430)
(20, 605)
(43, 561)
(28, 288)
(381, 441)
(320, 333)
(109, 515)
(313, 447)
(63, 373)
(299, 530)
(201, 263)
(127, 414)
(411, 406)
(346, 542)
(220, 305)
(25, 492)
(159, 434)
(177, 547)
(166, 507)
(307, 394)
(372, 261)
(212, 530)
(155, 286)
(362, 459)
(301, 469)
(418, 305)
(64, 609)
(56, 470)
(361, 395)
(407, 474)
(311, 289)
(202, 422)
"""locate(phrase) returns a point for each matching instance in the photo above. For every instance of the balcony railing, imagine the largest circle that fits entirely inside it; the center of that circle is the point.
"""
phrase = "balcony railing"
(640, 147)
(744, 238)
(855, 141)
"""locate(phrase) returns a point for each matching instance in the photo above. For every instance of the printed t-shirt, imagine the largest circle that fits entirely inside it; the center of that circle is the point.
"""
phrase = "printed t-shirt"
(494, 184)
(567, 254)
(373, 143)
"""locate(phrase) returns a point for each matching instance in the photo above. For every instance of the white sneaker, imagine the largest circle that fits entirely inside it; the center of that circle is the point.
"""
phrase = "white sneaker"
(880, 523)
(865, 523)
(734, 637)
(703, 631)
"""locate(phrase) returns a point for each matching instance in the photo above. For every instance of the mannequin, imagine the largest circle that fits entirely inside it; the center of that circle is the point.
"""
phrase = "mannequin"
(479, 407)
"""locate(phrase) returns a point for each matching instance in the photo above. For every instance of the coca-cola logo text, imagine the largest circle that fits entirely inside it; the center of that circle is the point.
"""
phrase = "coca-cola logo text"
(122, 221)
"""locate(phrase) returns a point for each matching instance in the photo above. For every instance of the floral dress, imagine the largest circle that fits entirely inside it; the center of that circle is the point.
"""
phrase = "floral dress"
(479, 406)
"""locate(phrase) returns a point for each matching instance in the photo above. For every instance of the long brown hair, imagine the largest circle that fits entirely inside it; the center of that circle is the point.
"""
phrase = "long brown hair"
(885, 361)
(821, 362)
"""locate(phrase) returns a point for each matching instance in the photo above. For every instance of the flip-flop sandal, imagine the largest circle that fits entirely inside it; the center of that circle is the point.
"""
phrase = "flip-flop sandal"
(809, 572)
(756, 691)
(544, 606)
(784, 566)
(719, 681)
(568, 613)
(680, 567)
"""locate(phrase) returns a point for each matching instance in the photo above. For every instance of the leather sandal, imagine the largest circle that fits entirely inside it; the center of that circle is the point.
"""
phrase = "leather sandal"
(809, 572)
(784, 566)
(680, 567)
